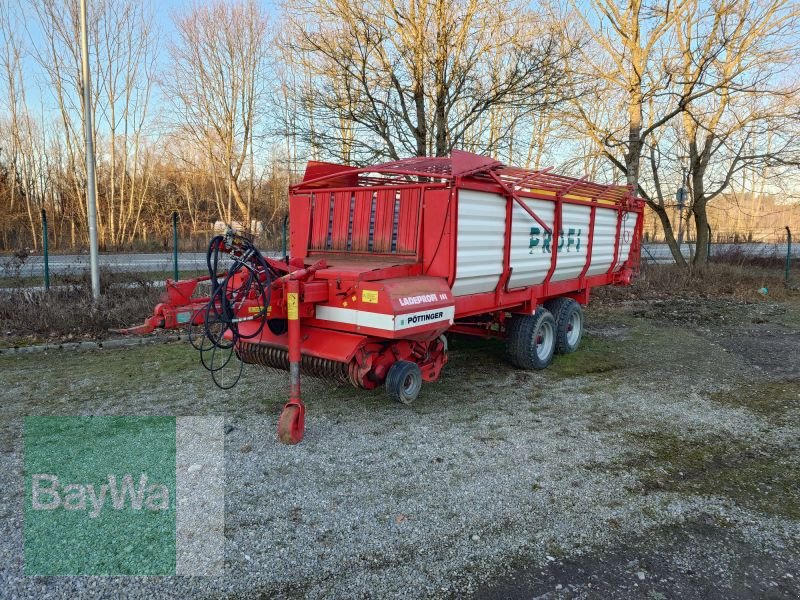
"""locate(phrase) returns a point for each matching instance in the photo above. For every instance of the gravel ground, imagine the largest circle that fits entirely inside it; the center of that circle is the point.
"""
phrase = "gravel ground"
(579, 481)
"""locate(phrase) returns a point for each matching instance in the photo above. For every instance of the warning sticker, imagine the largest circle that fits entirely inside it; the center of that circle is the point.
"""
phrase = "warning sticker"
(291, 305)
(370, 296)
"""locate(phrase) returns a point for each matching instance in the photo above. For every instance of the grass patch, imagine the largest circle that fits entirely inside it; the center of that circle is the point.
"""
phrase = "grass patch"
(595, 355)
(106, 372)
(771, 400)
(715, 280)
(790, 317)
(471, 360)
(756, 476)
(67, 312)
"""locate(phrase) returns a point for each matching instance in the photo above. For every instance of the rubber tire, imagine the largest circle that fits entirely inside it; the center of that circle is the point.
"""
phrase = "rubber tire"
(521, 339)
(404, 381)
(563, 309)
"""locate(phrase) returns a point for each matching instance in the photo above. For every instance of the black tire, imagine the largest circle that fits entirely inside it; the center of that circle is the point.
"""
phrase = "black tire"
(531, 339)
(569, 324)
(404, 381)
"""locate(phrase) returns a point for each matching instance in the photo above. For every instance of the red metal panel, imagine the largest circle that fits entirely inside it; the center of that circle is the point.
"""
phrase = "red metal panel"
(615, 259)
(463, 163)
(524, 299)
(407, 226)
(341, 220)
(463, 167)
(436, 232)
(323, 343)
(384, 221)
(300, 225)
(555, 241)
(589, 247)
(502, 283)
(361, 216)
(320, 217)
(331, 173)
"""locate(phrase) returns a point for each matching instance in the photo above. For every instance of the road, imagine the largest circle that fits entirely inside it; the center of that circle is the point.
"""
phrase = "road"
(33, 266)
(660, 253)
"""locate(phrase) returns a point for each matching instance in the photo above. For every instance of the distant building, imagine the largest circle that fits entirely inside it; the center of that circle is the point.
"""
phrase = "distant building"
(256, 227)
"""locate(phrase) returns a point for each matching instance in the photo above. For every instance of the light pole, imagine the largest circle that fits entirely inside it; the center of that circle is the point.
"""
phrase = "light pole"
(680, 196)
(91, 194)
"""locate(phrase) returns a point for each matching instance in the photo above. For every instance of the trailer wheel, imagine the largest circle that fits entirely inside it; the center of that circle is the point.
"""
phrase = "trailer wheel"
(532, 339)
(569, 324)
(404, 381)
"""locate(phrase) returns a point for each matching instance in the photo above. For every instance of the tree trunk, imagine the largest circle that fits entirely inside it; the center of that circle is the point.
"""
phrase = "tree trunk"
(701, 233)
(237, 197)
(633, 158)
(421, 133)
(669, 234)
(441, 126)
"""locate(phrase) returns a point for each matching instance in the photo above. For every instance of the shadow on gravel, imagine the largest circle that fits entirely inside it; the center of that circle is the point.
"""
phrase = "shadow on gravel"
(700, 559)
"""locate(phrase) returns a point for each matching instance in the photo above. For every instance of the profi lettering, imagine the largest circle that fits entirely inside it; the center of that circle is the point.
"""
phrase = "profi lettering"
(572, 240)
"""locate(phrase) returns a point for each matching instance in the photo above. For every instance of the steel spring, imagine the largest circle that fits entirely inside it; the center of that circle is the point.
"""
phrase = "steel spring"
(278, 358)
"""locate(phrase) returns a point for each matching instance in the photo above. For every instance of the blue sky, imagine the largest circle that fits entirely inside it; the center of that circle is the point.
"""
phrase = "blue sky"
(162, 11)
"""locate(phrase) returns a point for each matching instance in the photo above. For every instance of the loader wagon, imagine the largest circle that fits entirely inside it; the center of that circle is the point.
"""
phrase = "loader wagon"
(385, 260)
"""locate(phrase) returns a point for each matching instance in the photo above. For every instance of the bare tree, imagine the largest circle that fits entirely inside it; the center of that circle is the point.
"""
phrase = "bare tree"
(122, 56)
(28, 166)
(389, 78)
(750, 121)
(126, 58)
(58, 55)
(218, 84)
(667, 60)
(629, 56)
(10, 64)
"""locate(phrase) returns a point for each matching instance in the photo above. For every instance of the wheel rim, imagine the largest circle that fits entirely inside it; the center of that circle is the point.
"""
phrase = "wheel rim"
(544, 340)
(409, 384)
(574, 328)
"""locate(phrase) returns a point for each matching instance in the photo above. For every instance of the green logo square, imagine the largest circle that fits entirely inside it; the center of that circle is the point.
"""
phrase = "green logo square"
(99, 495)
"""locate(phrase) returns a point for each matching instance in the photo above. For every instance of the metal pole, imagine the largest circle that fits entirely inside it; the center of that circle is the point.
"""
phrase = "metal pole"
(45, 249)
(91, 195)
(681, 200)
(788, 255)
(708, 251)
(175, 244)
(285, 224)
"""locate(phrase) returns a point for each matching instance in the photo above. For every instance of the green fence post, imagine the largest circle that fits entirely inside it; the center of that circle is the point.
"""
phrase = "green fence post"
(175, 244)
(788, 255)
(45, 249)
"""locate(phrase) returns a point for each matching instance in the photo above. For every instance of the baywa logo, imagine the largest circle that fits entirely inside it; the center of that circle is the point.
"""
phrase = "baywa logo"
(100, 496)
(49, 494)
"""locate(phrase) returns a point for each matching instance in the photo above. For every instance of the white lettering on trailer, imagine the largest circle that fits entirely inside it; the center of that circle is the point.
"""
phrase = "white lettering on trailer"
(365, 318)
(421, 299)
(423, 318)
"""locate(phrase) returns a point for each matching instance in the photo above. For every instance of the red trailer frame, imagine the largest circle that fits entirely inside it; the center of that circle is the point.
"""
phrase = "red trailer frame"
(446, 176)
(369, 288)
